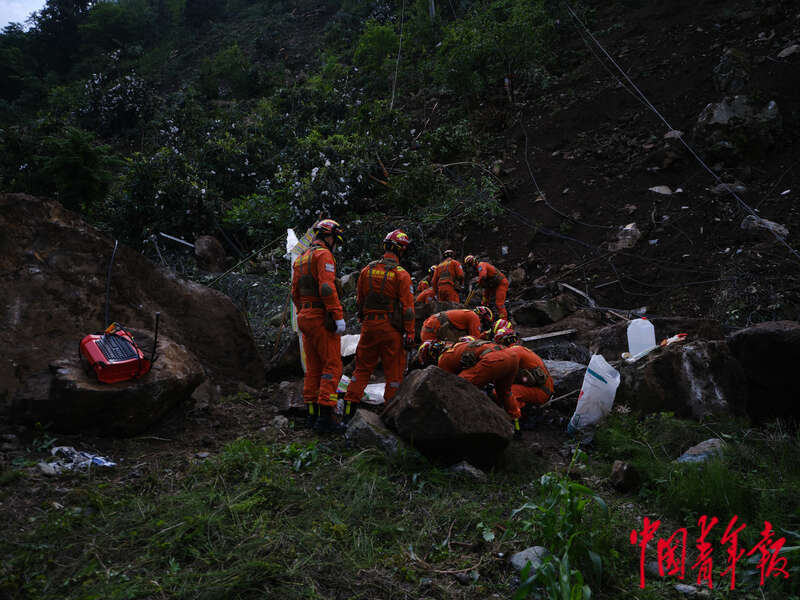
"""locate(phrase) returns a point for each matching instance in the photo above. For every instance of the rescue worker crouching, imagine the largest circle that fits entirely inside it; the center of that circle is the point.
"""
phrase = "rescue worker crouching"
(493, 283)
(480, 362)
(320, 319)
(533, 385)
(448, 278)
(425, 293)
(453, 324)
(386, 310)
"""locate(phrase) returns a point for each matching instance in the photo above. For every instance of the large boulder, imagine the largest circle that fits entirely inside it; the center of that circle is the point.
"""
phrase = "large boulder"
(737, 127)
(71, 401)
(53, 279)
(567, 375)
(768, 353)
(542, 312)
(446, 417)
(695, 379)
(366, 430)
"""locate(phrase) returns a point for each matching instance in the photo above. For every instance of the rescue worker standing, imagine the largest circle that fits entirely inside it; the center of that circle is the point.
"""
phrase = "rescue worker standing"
(386, 310)
(493, 283)
(448, 278)
(453, 324)
(321, 321)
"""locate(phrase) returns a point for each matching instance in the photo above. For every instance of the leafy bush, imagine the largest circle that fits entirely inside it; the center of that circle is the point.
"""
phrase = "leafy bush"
(494, 41)
(228, 73)
(376, 50)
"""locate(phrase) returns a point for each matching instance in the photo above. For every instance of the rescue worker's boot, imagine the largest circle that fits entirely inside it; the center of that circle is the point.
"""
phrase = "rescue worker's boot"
(350, 410)
(312, 410)
(326, 422)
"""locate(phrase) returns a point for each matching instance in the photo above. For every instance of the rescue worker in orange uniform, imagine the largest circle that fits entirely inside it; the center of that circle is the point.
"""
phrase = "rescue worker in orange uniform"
(425, 293)
(533, 385)
(386, 310)
(492, 282)
(321, 321)
(448, 278)
(480, 362)
(452, 324)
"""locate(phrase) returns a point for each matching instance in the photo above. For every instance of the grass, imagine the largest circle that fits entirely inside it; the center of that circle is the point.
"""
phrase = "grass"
(314, 518)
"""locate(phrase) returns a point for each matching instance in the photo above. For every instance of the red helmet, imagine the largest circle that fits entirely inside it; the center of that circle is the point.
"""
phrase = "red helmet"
(396, 239)
(506, 336)
(448, 253)
(328, 227)
(484, 312)
(429, 351)
(470, 260)
(423, 285)
(502, 324)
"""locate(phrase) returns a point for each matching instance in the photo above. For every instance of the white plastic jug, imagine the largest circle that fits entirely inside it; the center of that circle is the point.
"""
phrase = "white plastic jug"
(641, 336)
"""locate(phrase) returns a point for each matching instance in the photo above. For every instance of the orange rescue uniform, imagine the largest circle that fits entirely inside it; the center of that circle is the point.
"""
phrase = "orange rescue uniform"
(386, 307)
(424, 296)
(314, 295)
(483, 362)
(534, 391)
(451, 325)
(447, 280)
(495, 287)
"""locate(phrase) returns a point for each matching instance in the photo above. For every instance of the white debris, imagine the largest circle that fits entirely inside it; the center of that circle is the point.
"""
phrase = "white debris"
(661, 189)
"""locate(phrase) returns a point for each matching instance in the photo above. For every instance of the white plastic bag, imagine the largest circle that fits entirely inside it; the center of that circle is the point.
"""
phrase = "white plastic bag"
(599, 387)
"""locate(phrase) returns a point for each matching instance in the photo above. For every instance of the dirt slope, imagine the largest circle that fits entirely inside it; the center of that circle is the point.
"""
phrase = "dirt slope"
(595, 149)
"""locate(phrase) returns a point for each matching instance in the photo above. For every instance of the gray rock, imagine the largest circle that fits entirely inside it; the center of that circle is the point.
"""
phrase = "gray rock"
(517, 277)
(732, 74)
(446, 417)
(466, 469)
(789, 51)
(75, 402)
(687, 590)
(349, 283)
(280, 422)
(534, 555)
(764, 227)
(703, 451)
(624, 477)
(723, 189)
(627, 237)
(736, 127)
(543, 312)
(692, 379)
(567, 375)
(366, 430)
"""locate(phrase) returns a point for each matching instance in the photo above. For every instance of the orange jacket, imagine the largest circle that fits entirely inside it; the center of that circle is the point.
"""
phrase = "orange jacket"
(463, 355)
(460, 318)
(489, 276)
(382, 286)
(424, 296)
(448, 272)
(314, 281)
(528, 359)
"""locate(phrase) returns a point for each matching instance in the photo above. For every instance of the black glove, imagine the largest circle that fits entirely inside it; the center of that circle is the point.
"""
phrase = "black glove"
(408, 341)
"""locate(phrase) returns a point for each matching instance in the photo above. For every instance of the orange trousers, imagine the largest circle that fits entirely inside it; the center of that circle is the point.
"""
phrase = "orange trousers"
(378, 340)
(500, 368)
(323, 358)
(447, 293)
(496, 298)
(524, 394)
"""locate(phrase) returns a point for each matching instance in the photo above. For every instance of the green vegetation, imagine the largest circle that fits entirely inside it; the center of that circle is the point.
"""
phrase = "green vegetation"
(188, 116)
(310, 517)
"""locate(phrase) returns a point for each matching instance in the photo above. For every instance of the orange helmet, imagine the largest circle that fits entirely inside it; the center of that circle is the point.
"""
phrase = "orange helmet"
(470, 260)
(429, 351)
(423, 285)
(448, 253)
(396, 239)
(506, 336)
(328, 227)
(484, 312)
